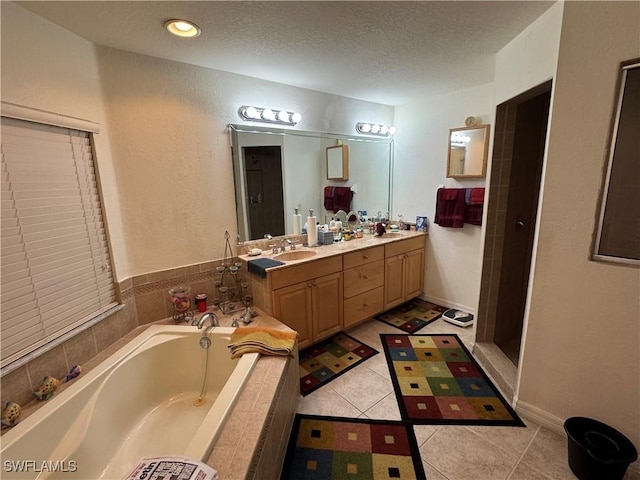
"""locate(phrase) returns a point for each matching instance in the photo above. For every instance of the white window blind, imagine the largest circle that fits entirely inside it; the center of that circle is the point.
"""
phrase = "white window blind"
(56, 267)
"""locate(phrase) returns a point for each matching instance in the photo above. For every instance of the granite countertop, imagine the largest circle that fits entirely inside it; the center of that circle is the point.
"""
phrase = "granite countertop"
(324, 251)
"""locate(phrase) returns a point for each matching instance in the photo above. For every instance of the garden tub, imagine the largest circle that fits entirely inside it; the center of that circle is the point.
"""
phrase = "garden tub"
(142, 401)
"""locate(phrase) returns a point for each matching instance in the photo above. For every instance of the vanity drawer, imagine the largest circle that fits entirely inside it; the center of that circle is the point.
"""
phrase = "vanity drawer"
(305, 271)
(365, 277)
(363, 306)
(361, 257)
(404, 246)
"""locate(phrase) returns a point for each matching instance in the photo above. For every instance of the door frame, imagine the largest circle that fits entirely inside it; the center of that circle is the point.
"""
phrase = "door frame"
(496, 219)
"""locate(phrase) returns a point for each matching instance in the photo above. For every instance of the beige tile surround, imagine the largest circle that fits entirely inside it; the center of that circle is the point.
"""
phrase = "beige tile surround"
(253, 442)
(18, 385)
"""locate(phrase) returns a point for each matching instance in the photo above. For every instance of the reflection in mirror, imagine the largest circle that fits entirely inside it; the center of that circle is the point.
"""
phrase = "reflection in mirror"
(338, 162)
(278, 170)
(468, 149)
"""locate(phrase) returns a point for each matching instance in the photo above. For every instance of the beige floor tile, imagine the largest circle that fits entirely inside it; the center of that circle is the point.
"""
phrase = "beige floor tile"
(378, 363)
(369, 333)
(460, 454)
(432, 473)
(362, 387)
(325, 401)
(424, 432)
(524, 472)
(548, 453)
(385, 409)
(514, 439)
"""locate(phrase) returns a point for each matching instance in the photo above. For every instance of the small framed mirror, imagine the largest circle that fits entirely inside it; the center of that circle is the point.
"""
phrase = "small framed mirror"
(468, 150)
(338, 162)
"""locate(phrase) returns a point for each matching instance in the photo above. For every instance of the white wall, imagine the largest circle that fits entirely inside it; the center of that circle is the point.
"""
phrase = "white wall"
(168, 122)
(47, 68)
(581, 354)
(452, 274)
(165, 165)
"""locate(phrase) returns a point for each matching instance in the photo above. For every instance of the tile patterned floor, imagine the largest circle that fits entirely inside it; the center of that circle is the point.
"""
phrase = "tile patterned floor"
(448, 452)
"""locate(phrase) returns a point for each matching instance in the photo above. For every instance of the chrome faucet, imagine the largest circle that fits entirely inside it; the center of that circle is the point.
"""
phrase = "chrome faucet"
(206, 316)
(282, 245)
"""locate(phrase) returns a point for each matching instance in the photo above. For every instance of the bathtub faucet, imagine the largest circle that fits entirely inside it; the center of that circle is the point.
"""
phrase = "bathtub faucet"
(203, 319)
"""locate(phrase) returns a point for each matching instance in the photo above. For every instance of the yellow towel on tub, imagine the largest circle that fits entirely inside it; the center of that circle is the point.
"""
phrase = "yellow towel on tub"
(264, 340)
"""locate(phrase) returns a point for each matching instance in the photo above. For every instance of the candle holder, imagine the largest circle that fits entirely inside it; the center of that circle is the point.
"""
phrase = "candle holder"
(232, 291)
(181, 301)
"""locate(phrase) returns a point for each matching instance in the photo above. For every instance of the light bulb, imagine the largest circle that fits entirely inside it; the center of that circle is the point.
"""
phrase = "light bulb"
(283, 116)
(375, 128)
(296, 117)
(251, 112)
(268, 114)
(392, 130)
(384, 130)
(182, 28)
(366, 128)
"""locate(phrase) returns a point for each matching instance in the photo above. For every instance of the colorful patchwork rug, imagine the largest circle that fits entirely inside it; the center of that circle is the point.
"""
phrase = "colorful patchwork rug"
(437, 381)
(413, 315)
(327, 360)
(326, 448)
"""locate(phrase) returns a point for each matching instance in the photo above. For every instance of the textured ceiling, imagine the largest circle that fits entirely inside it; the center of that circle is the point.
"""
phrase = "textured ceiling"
(385, 52)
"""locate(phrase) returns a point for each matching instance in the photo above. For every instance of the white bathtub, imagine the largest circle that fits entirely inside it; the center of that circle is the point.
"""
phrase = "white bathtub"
(137, 403)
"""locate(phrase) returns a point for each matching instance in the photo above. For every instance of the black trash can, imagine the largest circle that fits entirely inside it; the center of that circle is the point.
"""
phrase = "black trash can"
(596, 450)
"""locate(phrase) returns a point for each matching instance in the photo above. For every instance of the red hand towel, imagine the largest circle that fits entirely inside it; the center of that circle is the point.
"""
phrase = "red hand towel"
(450, 207)
(477, 196)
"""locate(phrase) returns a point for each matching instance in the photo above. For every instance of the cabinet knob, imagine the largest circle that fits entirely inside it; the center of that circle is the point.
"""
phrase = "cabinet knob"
(364, 277)
(365, 257)
(365, 305)
(309, 285)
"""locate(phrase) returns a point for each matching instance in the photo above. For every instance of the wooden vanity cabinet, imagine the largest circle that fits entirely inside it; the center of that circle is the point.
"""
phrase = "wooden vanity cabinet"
(363, 284)
(308, 299)
(403, 271)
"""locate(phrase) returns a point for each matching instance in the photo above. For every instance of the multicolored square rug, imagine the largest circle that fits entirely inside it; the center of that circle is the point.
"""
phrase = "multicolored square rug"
(331, 448)
(327, 360)
(437, 381)
(412, 315)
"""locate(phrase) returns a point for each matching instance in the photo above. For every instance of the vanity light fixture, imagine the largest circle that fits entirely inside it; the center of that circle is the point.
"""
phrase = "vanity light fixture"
(460, 139)
(182, 28)
(257, 114)
(375, 129)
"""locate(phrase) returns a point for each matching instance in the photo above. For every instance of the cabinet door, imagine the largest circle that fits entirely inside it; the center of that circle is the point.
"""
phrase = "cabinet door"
(393, 281)
(293, 306)
(413, 274)
(327, 305)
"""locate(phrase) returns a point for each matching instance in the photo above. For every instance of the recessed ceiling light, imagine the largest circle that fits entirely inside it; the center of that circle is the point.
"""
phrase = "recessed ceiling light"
(182, 28)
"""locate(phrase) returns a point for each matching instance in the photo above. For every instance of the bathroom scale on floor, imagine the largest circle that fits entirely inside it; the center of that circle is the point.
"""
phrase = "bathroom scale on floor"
(458, 317)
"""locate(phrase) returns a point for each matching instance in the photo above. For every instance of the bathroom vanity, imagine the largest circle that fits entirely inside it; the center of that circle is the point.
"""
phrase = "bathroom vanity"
(341, 285)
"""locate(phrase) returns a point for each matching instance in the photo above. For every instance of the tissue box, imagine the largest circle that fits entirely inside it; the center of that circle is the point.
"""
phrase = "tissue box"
(325, 238)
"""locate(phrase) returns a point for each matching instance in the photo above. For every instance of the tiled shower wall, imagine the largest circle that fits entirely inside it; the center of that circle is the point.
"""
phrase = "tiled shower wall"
(496, 217)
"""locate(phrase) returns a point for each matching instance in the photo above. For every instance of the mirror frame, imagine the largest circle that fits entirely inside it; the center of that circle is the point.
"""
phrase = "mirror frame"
(485, 151)
(234, 129)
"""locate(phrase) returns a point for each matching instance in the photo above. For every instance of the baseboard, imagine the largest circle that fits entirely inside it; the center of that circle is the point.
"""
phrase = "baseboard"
(542, 418)
(448, 303)
(555, 424)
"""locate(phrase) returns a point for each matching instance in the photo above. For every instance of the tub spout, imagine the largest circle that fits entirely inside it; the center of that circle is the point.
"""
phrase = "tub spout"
(203, 319)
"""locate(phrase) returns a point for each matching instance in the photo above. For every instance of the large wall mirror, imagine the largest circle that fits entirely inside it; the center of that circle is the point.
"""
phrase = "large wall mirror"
(278, 170)
(468, 151)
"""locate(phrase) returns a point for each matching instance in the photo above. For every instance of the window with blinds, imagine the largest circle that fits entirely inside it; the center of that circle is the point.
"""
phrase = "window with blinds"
(56, 267)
